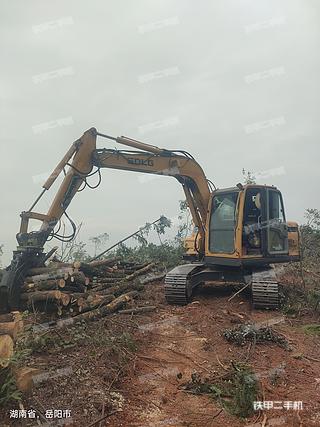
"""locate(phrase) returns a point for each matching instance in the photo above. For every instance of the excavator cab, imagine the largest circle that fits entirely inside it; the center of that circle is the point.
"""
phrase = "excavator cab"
(247, 232)
(247, 224)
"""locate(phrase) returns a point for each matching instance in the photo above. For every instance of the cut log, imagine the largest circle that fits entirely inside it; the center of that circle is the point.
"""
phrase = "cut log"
(7, 317)
(41, 296)
(75, 289)
(9, 328)
(12, 328)
(77, 264)
(113, 306)
(80, 302)
(77, 295)
(104, 286)
(27, 287)
(121, 288)
(57, 273)
(107, 291)
(119, 302)
(96, 302)
(140, 272)
(153, 278)
(49, 269)
(6, 350)
(65, 299)
(44, 285)
(61, 283)
(24, 378)
(78, 278)
(61, 264)
(138, 310)
(135, 266)
(94, 267)
(106, 280)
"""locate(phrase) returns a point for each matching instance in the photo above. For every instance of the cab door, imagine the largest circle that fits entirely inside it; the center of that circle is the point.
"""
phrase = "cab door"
(276, 235)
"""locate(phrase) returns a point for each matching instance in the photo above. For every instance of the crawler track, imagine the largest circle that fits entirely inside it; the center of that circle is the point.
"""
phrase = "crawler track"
(265, 289)
(177, 287)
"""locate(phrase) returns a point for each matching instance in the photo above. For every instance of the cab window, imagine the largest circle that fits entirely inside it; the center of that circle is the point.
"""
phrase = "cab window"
(223, 223)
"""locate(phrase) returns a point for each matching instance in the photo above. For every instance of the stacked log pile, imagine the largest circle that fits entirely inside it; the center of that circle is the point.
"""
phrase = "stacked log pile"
(79, 288)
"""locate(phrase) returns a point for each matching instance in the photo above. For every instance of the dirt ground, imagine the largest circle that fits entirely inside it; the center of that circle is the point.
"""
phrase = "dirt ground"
(177, 341)
(146, 384)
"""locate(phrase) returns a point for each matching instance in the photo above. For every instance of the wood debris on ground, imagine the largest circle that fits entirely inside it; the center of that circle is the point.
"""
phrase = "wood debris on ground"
(242, 334)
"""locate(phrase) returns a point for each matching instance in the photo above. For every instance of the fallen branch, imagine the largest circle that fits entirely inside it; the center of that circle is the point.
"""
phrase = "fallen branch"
(138, 310)
(240, 290)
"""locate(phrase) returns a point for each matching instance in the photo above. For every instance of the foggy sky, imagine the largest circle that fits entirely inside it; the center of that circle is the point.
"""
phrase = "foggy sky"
(234, 82)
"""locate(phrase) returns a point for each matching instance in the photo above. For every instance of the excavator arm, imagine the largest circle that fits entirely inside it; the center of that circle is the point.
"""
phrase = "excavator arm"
(81, 154)
(80, 160)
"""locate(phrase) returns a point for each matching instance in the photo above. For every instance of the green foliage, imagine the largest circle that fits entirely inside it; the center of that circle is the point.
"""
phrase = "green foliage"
(185, 222)
(159, 227)
(304, 292)
(243, 389)
(248, 177)
(127, 341)
(8, 389)
(169, 254)
(310, 238)
(297, 298)
(312, 329)
(236, 392)
(313, 218)
(30, 343)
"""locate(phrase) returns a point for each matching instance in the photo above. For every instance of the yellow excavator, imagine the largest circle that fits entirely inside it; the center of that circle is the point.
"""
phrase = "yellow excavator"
(239, 231)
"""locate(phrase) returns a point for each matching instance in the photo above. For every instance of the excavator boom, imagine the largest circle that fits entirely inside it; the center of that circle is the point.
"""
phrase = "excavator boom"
(85, 156)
